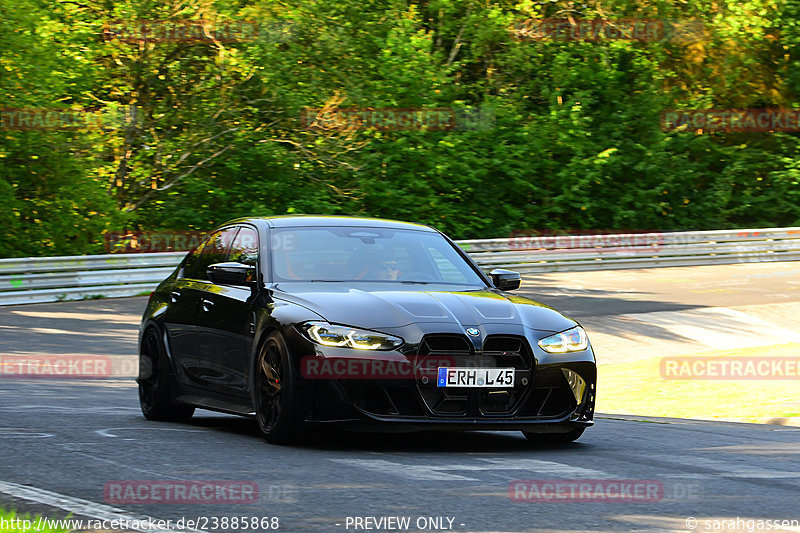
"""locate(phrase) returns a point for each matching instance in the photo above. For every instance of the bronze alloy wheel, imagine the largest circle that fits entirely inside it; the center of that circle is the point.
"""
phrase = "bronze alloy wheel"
(274, 392)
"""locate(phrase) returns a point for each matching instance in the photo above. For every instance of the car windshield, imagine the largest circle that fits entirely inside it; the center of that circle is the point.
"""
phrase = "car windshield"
(367, 254)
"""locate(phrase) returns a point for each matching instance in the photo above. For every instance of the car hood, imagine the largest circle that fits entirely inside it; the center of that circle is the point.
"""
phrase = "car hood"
(376, 307)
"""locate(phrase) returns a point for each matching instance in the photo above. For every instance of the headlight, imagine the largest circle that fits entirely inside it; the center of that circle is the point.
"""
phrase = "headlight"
(361, 339)
(572, 340)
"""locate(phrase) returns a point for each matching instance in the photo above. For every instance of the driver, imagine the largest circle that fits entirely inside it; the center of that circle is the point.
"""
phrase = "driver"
(385, 270)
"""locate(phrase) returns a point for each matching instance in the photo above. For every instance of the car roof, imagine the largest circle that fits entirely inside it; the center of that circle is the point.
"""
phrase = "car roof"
(298, 221)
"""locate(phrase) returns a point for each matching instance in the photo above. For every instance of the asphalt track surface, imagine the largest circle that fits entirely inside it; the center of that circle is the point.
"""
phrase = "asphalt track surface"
(63, 442)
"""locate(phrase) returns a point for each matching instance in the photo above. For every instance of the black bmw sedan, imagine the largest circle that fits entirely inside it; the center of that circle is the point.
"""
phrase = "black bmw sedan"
(362, 323)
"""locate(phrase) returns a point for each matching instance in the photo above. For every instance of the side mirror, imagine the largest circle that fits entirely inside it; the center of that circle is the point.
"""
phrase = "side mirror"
(505, 280)
(231, 274)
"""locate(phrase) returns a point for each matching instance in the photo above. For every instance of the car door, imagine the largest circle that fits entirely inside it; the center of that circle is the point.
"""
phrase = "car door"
(180, 319)
(189, 290)
(226, 326)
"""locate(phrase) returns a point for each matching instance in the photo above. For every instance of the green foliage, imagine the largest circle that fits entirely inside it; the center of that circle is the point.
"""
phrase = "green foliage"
(213, 128)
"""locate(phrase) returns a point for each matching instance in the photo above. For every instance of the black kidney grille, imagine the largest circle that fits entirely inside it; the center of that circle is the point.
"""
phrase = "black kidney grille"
(508, 351)
(499, 351)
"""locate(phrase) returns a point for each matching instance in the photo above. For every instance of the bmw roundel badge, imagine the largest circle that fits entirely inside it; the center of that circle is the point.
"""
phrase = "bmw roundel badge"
(473, 332)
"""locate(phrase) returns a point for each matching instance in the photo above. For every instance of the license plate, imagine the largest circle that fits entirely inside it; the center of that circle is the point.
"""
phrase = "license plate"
(475, 377)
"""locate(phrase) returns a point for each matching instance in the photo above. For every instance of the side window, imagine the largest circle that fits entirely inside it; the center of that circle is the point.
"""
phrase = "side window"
(214, 251)
(190, 266)
(245, 247)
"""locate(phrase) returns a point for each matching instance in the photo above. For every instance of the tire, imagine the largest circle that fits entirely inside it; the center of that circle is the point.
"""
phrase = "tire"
(155, 385)
(275, 393)
(554, 438)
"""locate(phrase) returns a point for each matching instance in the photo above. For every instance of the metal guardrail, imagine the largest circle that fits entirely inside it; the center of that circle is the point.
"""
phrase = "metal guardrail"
(530, 254)
(50, 279)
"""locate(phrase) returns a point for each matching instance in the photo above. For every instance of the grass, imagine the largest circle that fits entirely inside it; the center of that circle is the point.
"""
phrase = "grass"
(11, 522)
(638, 388)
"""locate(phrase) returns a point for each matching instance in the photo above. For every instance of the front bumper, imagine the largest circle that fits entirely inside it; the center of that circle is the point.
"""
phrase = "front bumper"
(395, 425)
(546, 397)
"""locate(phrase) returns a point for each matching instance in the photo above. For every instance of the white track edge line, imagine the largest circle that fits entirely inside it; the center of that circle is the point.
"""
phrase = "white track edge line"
(83, 507)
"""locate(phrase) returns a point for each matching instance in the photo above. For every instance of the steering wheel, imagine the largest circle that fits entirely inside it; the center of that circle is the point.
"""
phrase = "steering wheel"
(417, 276)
